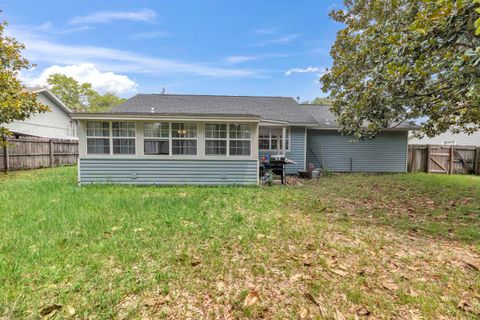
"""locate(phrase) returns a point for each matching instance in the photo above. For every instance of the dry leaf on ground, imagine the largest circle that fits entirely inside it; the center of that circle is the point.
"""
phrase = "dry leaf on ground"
(339, 272)
(251, 299)
(303, 313)
(339, 316)
(390, 285)
(49, 309)
(71, 311)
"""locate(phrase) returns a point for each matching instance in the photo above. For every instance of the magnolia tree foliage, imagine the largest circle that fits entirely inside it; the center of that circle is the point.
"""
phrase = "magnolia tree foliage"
(401, 60)
(15, 102)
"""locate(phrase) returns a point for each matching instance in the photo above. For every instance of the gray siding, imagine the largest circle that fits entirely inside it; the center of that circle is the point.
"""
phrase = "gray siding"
(297, 150)
(386, 153)
(168, 172)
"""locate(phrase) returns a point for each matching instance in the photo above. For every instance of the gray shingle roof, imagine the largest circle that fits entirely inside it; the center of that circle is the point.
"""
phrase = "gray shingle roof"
(267, 108)
(322, 115)
(327, 120)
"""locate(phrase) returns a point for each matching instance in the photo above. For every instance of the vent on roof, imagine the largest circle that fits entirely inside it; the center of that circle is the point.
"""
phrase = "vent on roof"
(152, 110)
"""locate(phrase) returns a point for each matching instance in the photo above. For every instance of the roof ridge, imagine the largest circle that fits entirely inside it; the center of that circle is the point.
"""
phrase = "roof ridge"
(315, 104)
(211, 95)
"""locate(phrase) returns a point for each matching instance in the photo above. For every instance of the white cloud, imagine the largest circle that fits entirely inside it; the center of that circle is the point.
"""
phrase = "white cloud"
(240, 59)
(286, 39)
(109, 16)
(39, 49)
(150, 35)
(305, 70)
(49, 28)
(266, 31)
(86, 72)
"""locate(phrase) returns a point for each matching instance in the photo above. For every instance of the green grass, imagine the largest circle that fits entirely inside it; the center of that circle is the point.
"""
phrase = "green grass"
(109, 251)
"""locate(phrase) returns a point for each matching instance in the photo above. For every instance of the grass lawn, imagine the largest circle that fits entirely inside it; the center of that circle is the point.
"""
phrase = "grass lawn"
(403, 246)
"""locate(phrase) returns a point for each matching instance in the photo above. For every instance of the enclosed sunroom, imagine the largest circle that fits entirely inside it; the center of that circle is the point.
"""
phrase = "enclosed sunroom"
(220, 140)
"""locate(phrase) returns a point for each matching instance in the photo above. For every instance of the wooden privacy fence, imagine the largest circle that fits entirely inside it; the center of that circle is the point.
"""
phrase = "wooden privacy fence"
(29, 152)
(444, 159)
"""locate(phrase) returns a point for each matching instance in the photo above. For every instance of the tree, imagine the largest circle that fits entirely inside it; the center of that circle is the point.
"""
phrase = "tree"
(74, 94)
(15, 102)
(322, 101)
(81, 96)
(101, 103)
(402, 60)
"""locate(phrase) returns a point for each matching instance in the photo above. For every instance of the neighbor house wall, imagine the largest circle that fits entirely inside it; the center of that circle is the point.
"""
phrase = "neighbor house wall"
(144, 169)
(296, 151)
(387, 152)
(53, 124)
(449, 138)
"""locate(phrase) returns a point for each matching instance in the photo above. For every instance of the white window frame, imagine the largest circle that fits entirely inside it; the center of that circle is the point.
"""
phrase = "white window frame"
(200, 137)
(228, 139)
(239, 139)
(134, 138)
(108, 137)
(169, 138)
(227, 144)
(279, 138)
(172, 138)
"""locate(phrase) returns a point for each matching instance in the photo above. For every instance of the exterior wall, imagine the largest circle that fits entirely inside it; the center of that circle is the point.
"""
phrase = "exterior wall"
(449, 138)
(296, 152)
(168, 172)
(386, 153)
(54, 124)
(144, 169)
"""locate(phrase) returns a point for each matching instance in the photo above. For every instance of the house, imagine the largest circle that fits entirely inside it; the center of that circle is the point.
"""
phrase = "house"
(209, 140)
(54, 124)
(449, 138)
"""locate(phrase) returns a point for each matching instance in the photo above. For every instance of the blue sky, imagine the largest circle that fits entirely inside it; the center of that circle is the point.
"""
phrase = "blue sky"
(228, 47)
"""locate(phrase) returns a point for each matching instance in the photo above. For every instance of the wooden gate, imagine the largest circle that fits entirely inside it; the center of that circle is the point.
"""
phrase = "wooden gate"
(444, 159)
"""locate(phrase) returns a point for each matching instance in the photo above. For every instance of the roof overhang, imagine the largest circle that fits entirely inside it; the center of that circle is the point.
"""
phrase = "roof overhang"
(273, 123)
(165, 117)
(403, 128)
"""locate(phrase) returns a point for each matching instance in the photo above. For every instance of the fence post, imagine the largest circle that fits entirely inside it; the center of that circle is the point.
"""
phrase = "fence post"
(450, 171)
(51, 153)
(6, 154)
(428, 158)
(413, 150)
(476, 161)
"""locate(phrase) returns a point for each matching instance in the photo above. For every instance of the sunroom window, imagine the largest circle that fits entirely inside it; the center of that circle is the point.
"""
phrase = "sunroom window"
(184, 138)
(156, 138)
(271, 139)
(239, 139)
(123, 137)
(215, 139)
(98, 137)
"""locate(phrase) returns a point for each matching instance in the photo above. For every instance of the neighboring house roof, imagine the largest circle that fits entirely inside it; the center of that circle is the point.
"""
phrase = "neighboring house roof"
(449, 138)
(48, 93)
(267, 108)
